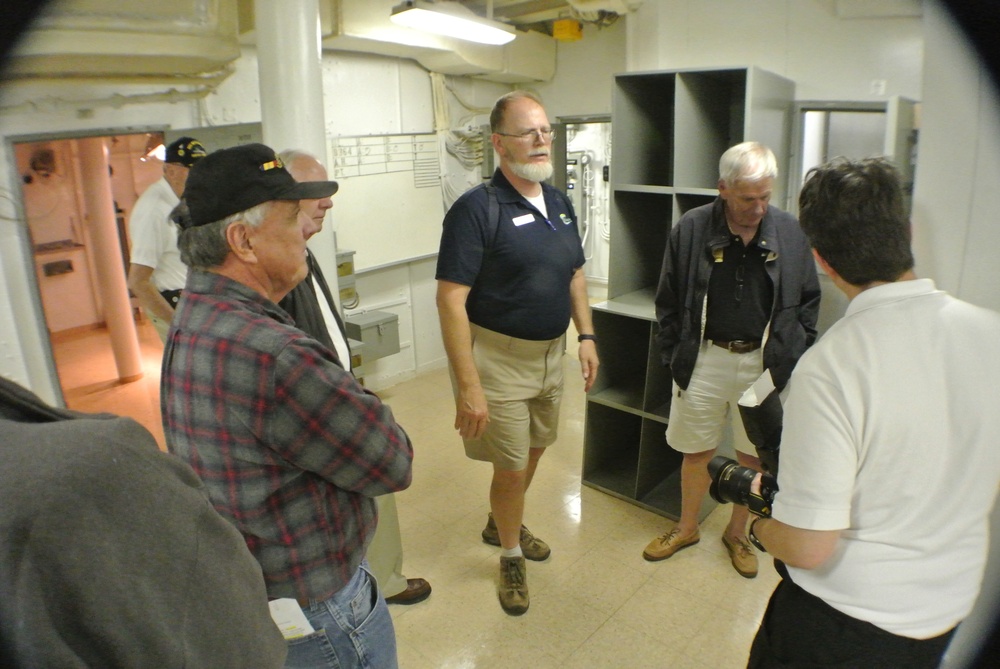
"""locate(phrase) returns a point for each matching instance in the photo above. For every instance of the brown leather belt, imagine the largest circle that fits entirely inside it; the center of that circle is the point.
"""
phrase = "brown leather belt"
(737, 345)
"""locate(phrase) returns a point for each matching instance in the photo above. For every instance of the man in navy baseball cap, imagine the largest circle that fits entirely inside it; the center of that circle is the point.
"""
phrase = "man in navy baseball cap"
(156, 274)
(185, 151)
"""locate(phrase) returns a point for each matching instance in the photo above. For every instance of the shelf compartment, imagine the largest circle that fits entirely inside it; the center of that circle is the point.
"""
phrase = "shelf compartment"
(642, 109)
(665, 499)
(658, 482)
(640, 223)
(685, 202)
(611, 449)
(710, 108)
(657, 460)
(625, 399)
(637, 304)
(621, 382)
(659, 383)
(643, 188)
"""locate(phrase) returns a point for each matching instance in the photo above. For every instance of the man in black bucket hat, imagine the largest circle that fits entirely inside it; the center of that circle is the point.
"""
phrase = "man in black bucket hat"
(292, 449)
(156, 274)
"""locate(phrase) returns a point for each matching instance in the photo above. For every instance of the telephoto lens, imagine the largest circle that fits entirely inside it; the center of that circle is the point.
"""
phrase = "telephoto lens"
(731, 484)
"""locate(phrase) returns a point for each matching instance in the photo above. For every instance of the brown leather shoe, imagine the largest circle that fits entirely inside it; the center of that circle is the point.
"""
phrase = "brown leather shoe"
(666, 545)
(532, 547)
(742, 555)
(417, 590)
(513, 590)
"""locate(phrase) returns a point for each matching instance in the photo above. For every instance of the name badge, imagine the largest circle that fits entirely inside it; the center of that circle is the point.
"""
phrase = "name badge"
(521, 220)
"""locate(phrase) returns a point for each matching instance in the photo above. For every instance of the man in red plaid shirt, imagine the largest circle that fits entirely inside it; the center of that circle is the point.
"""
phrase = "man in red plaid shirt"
(291, 448)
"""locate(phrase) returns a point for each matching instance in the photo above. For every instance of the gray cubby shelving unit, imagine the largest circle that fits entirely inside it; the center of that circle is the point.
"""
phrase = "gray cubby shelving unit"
(669, 129)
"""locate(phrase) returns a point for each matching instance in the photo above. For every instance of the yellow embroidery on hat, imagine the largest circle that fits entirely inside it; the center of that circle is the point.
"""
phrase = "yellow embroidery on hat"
(272, 164)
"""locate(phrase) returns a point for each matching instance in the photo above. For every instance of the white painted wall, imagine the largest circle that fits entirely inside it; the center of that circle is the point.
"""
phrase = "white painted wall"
(829, 58)
(956, 200)
(585, 71)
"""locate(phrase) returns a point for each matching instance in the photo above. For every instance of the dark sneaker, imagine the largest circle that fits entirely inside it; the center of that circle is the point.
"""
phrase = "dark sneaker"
(532, 547)
(666, 545)
(513, 591)
(743, 558)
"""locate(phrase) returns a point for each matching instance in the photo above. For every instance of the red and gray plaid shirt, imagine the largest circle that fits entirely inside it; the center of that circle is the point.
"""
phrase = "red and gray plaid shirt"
(291, 448)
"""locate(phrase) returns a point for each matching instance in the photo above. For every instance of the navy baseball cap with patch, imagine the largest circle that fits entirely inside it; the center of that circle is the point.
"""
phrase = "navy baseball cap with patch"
(232, 180)
(185, 151)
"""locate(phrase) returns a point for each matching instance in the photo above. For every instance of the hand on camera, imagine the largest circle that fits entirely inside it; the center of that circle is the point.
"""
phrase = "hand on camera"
(741, 485)
(756, 503)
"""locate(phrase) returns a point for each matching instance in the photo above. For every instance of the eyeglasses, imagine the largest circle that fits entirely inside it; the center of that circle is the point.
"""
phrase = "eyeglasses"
(543, 135)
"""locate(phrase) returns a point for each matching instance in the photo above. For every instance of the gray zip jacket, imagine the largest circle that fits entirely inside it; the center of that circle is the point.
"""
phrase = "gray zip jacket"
(682, 293)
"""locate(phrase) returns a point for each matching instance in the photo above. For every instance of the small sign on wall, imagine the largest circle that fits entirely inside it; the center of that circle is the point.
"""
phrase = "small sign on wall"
(57, 267)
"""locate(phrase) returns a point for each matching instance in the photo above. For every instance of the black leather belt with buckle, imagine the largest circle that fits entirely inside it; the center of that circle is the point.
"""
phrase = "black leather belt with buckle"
(738, 345)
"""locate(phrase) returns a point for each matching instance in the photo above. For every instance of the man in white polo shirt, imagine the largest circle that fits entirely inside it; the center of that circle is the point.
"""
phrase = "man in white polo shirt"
(888, 467)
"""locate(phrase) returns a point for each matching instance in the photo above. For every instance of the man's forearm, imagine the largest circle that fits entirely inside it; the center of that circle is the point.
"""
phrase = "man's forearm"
(796, 547)
(151, 300)
(457, 337)
(141, 284)
(580, 303)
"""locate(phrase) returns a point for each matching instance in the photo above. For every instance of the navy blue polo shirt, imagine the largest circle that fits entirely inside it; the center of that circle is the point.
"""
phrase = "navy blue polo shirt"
(519, 268)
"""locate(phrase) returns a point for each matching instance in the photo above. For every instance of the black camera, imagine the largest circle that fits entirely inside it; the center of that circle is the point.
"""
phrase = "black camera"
(731, 481)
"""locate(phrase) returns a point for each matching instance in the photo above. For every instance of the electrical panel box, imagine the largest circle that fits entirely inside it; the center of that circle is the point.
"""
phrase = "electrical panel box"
(378, 330)
(345, 262)
(348, 291)
(346, 280)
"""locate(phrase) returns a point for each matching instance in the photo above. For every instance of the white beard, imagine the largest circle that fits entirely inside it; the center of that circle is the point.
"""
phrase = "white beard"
(536, 172)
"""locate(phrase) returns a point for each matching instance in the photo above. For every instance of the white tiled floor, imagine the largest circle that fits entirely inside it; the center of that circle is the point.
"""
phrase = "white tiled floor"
(595, 603)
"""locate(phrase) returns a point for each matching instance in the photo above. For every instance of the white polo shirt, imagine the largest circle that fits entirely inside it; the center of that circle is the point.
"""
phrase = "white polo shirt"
(892, 434)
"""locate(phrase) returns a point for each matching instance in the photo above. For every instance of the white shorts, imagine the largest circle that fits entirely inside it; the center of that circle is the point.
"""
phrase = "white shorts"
(698, 414)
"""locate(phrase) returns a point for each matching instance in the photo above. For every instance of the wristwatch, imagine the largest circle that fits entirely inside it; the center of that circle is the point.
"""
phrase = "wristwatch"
(585, 337)
(753, 537)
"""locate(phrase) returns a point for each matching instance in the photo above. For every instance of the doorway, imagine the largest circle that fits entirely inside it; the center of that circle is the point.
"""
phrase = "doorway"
(823, 130)
(65, 257)
(582, 163)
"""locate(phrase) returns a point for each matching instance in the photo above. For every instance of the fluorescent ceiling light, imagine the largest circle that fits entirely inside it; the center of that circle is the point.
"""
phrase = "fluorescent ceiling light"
(451, 20)
(159, 152)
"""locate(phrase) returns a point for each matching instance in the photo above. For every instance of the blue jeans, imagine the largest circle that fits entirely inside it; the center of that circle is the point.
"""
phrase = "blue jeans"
(353, 629)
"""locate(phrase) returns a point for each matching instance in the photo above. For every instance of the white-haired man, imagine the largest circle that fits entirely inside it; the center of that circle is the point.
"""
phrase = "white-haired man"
(738, 294)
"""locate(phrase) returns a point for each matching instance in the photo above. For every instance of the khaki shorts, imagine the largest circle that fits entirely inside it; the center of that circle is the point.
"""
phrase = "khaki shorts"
(523, 383)
(698, 415)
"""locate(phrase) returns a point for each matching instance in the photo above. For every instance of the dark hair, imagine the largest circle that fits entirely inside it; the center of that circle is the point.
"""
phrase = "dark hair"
(854, 215)
(500, 106)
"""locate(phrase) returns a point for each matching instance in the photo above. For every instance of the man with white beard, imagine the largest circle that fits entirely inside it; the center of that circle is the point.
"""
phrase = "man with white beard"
(510, 277)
